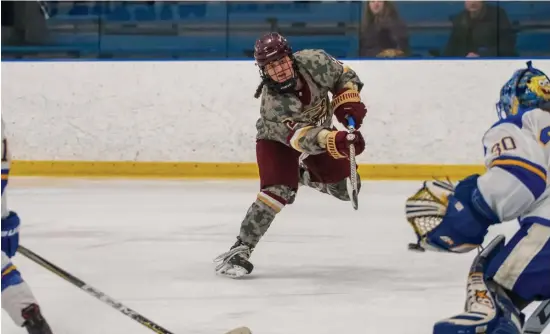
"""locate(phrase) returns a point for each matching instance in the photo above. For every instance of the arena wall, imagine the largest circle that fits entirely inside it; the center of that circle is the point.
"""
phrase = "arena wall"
(197, 119)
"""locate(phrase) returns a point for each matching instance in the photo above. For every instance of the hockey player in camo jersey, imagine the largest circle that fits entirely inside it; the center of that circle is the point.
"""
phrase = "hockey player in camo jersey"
(296, 141)
(17, 299)
(515, 186)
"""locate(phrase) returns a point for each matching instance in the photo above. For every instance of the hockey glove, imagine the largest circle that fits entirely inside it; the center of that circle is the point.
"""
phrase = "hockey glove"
(466, 220)
(348, 103)
(338, 143)
(10, 234)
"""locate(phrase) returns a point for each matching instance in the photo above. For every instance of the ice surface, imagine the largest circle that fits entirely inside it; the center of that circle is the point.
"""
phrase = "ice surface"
(322, 268)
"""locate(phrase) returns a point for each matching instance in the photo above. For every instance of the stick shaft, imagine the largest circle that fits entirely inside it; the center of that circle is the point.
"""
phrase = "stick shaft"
(539, 320)
(353, 166)
(92, 291)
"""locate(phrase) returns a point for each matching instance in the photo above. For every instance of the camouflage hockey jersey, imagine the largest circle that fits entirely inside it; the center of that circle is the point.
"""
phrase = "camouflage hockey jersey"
(285, 119)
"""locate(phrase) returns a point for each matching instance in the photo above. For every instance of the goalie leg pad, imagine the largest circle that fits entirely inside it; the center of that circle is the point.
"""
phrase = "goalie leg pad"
(523, 266)
(488, 308)
(491, 312)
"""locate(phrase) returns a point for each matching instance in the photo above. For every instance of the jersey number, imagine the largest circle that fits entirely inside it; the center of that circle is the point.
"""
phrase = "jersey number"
(505, 144)
(544, 136)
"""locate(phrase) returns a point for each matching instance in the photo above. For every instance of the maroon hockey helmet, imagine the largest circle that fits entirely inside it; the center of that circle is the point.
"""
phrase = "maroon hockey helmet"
(272, 47)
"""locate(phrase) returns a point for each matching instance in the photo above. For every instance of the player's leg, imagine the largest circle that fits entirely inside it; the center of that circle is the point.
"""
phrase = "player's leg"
(17, 299)
(278, 168)
(516, 275)
(488, 309)
(523, 267)
(328, 175)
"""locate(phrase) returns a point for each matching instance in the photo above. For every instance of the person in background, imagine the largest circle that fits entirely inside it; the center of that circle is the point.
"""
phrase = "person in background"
(481, 30)
(382, 31)
(26, 23)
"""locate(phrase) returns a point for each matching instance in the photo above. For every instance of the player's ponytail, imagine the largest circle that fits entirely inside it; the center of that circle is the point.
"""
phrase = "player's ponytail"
(259, 90)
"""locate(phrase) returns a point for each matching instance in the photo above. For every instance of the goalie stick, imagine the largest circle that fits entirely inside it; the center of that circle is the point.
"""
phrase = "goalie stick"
(102, 296)
(354, 196)
(539, 320)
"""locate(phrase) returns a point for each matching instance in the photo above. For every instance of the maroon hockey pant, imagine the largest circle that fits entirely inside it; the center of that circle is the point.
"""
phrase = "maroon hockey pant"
(279, 165)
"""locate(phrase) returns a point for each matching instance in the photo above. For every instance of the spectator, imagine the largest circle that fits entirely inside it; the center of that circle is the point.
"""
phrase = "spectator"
(481, 30)
(26, 23)
(382, 31)
(8, 21)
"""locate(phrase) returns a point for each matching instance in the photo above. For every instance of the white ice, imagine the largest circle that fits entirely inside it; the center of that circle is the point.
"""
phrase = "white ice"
(322, 268)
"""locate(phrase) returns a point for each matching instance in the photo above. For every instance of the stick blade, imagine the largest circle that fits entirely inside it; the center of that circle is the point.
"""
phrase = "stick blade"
(240, 330)
(352, 192)
(355, 199)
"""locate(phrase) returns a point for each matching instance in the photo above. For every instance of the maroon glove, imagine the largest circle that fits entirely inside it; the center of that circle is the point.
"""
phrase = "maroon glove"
(348, 103)
(338, 143)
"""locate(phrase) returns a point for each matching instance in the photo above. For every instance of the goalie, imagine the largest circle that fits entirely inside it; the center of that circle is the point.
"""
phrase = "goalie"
(515, 185)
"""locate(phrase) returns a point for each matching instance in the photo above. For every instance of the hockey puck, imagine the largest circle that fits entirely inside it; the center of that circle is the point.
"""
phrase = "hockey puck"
(416, 248)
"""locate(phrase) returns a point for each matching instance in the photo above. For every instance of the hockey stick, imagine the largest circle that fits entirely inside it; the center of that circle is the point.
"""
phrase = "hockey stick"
(353, 165)
(539, 320)
(102, 296)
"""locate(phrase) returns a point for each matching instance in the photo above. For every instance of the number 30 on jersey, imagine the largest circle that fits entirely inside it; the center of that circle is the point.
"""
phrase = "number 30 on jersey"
(505, 144)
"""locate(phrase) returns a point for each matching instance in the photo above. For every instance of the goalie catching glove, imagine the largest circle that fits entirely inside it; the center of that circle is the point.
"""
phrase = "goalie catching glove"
(450, 219)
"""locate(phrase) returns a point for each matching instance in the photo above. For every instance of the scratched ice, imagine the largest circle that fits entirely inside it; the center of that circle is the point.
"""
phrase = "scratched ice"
(321, 269)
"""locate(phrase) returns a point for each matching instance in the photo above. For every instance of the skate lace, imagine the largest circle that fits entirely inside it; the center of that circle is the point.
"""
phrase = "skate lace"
(227, 256)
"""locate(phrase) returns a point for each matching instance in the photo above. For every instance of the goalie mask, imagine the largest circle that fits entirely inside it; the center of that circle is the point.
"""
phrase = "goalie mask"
(527, 89)
(277, 65)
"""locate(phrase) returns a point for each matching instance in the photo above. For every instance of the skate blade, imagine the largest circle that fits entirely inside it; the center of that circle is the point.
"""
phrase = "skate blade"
(234, 272)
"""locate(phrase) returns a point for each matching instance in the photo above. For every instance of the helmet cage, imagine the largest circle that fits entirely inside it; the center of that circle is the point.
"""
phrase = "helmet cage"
(274, 47)
(284, 86)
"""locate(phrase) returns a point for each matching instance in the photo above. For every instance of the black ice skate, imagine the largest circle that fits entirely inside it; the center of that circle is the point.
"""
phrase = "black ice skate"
(34, 321)
(235, 263)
